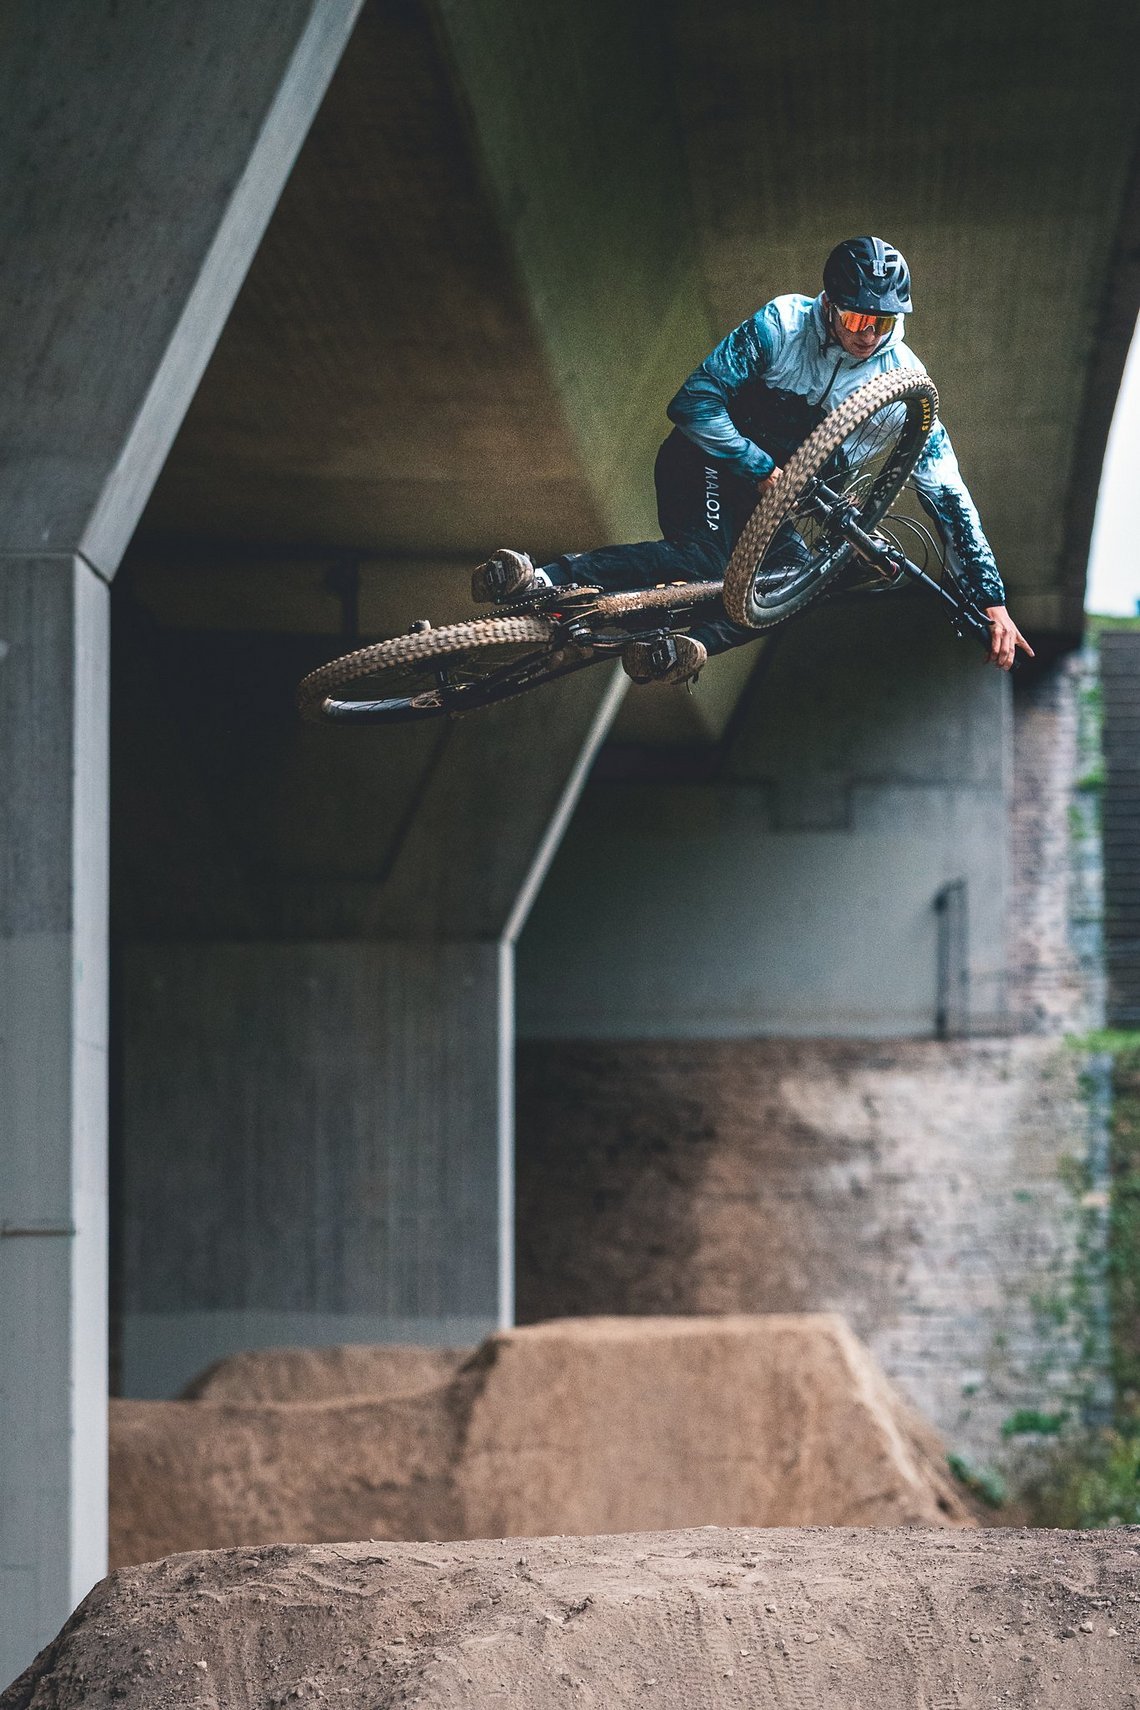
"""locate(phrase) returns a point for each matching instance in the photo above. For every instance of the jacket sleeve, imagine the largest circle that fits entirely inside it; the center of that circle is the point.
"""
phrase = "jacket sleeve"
(946, 498)
(701, 407)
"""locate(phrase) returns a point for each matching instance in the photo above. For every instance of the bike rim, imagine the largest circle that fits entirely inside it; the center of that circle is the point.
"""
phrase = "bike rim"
(870, 467)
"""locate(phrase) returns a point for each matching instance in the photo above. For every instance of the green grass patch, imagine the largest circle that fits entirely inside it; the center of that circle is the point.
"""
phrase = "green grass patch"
(1098, 622)
(1124, 1231)
(982, 1482)
(1092, 1481)
(1050, 1311)
(1110, 1039)
(1028, 1421)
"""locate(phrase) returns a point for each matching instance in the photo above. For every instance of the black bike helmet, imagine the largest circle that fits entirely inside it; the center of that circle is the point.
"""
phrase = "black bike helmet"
(866, 274)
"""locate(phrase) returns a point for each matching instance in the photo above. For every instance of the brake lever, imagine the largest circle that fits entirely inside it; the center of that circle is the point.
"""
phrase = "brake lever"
(968, 616)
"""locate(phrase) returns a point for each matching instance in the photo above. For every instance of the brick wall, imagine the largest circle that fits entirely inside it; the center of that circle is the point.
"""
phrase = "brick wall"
(1120, 675)
(930, 1192)
(1053, 959)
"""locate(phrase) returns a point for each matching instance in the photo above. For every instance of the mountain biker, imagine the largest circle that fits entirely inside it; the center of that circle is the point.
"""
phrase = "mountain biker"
(737, 418)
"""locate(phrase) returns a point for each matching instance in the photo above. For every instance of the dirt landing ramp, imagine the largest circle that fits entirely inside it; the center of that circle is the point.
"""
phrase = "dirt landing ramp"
(580, 1426)
(858, 1620)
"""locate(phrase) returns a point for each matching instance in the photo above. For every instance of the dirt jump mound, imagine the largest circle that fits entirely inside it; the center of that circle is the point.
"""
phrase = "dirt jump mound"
(325, 1374)
(578, 1426)
(859, 1620)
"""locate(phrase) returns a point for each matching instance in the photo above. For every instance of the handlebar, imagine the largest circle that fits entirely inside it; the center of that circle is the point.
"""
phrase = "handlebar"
(893, 562)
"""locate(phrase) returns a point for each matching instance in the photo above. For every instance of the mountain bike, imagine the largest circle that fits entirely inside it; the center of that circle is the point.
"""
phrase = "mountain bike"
(826, 527)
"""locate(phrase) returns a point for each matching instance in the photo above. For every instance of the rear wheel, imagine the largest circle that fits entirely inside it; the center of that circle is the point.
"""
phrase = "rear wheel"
(788, 553)
(462, 666)
(431, 672)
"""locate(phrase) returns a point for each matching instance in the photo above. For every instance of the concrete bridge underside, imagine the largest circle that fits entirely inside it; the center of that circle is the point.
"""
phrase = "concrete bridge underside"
(377, 288)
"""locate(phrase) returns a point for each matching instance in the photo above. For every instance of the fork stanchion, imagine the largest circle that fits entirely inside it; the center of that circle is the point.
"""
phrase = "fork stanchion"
(892, 562)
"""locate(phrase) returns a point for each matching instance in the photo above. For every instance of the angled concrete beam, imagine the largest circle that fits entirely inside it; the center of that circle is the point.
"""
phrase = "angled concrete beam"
(150, 146)
(488, 809)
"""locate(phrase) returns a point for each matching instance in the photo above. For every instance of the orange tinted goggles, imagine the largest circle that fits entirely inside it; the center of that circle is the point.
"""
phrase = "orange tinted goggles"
(853, 320)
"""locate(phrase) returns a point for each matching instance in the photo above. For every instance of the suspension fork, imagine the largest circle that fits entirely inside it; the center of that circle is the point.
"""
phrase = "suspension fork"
(890, 560)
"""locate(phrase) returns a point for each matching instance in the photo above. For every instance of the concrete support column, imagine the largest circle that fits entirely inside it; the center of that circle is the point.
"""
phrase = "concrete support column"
(149, 144)
(53, 1125)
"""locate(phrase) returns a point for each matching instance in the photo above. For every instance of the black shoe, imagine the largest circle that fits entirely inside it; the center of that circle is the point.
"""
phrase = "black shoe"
(669, 659)
(505, 576)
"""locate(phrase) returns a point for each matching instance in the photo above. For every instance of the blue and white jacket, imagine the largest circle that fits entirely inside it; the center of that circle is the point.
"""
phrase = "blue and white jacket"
(777, 374)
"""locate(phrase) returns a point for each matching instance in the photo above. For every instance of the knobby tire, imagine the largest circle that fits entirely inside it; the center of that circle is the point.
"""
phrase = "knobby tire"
(912, 387)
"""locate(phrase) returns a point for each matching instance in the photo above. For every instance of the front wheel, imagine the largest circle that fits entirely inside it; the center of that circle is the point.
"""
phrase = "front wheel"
(788, 552)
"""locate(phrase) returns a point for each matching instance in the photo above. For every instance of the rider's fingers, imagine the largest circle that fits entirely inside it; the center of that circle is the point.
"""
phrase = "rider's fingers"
(1005, 639)
(1011, 640)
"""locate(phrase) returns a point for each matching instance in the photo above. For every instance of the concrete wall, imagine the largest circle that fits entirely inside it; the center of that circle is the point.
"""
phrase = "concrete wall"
(126, 240)
(792, 891)
(314, 1135)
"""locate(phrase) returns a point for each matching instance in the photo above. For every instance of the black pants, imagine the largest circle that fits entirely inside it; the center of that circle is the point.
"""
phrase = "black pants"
(701, 508)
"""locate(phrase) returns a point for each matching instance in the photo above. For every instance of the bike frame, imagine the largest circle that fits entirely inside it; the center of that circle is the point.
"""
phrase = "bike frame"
(571, 633)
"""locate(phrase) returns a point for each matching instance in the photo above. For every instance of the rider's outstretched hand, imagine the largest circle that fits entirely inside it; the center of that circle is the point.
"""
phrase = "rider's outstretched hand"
(1005, 638)
(769, 480)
